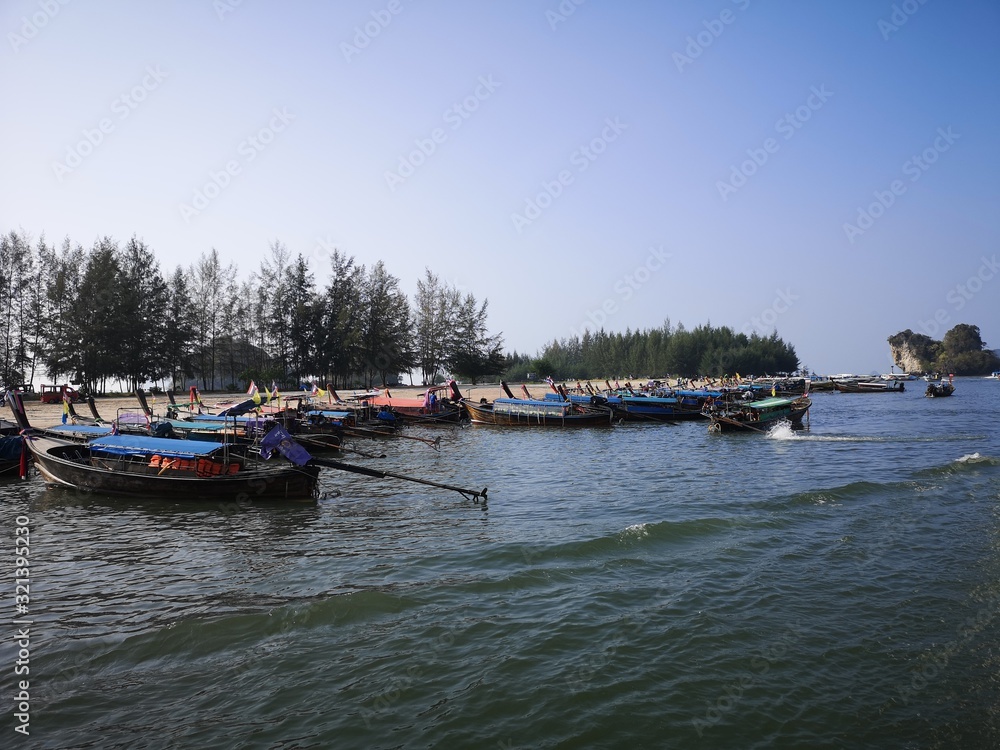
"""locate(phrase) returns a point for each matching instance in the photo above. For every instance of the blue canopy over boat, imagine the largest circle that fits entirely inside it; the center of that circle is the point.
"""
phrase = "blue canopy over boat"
(183, 424)
(770, 403)
(649, 400)
(529, 402)
(224, 418)
(329, 414)
(241, 408)
(140, 445)
(700, 393)
(82, 429)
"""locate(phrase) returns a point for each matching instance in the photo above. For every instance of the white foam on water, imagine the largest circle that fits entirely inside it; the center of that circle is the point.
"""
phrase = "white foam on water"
(636, 530)
(782, 431)
(969, 458)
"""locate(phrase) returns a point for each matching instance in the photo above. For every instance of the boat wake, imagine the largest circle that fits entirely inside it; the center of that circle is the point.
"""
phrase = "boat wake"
(783, 431)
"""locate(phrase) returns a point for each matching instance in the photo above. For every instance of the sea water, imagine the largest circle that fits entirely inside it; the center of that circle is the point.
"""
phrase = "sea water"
(634, 586)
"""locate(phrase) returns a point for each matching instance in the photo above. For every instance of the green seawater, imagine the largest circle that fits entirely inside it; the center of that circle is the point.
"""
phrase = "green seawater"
(636, 586)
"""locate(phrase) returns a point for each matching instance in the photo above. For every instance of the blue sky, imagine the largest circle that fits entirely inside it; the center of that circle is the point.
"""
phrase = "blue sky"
(825, 169)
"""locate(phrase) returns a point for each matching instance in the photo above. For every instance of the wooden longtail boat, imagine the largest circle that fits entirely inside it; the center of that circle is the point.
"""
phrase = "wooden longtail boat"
(638, 408)
(536, 413)
(757, 416)
(89, 457)
(869, 386)
(439, 404)
(167, 468)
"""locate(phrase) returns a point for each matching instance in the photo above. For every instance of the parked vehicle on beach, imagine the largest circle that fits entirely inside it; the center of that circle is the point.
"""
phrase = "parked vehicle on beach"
(53, 394)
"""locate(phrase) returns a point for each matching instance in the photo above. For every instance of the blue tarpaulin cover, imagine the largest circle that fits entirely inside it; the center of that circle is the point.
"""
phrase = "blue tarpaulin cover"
(207, 426)
(279, 439)
(140, 445)
(223, 418)
(83, 429)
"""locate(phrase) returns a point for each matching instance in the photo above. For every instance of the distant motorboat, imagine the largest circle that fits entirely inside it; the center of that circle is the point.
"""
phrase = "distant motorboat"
(937, 390)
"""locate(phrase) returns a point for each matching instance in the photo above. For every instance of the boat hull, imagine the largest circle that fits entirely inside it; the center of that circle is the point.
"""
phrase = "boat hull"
(939, 391)
(485, 414)
(652, 409)
(73, 465)
(884, 386)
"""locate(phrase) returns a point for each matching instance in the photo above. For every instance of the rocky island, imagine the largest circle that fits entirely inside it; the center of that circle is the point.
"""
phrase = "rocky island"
(961, 352)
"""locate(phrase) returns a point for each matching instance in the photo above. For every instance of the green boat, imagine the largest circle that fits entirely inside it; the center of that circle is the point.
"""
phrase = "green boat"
(740, 415)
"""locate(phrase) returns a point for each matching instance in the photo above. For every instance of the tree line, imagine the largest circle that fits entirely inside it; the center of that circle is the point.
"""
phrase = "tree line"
(702, 351)
(110, 312)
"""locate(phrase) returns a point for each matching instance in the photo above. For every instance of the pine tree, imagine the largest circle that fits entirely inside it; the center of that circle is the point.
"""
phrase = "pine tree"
(386, 336)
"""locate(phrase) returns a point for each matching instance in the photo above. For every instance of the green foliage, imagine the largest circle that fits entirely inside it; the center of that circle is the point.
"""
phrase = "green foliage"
(386, 331)
(19, 301)
(472, 353)
(451, 332)
(106, 313)
(703, 351)
(961, 339)
(517, 366)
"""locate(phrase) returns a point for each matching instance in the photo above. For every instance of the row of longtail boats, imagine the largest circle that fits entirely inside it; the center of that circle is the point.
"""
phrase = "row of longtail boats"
(224, 453)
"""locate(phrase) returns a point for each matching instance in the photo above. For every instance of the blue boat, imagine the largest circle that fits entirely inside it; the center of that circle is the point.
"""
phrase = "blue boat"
(640, 408)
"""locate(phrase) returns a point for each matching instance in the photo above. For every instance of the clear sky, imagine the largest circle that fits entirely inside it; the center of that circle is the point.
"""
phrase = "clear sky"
(826, 169)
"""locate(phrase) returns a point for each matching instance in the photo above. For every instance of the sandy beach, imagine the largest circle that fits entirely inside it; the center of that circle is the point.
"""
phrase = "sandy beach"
(109, 406)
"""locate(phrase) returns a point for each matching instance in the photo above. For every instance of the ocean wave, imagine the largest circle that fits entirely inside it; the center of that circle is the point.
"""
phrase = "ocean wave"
(968, 463)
